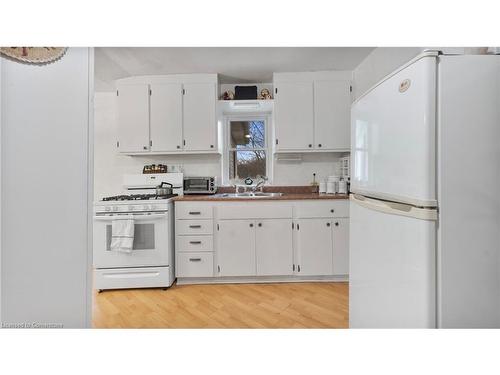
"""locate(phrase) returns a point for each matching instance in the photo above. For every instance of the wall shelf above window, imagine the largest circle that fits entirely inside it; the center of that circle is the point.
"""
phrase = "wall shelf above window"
(245, 106)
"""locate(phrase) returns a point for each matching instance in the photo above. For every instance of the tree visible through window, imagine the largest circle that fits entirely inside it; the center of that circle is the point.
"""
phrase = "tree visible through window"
(247, 149)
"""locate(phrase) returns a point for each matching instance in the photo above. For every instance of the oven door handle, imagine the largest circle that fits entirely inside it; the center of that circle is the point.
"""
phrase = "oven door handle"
(134, 217)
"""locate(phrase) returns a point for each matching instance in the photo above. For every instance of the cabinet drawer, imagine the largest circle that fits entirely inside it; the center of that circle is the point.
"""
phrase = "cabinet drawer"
(193, 227)
(195, 243)
(193, 210)
(194, 265)
(322, 208)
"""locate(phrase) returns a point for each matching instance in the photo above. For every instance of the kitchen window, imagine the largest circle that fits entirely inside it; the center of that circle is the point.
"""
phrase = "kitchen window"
(246, 152)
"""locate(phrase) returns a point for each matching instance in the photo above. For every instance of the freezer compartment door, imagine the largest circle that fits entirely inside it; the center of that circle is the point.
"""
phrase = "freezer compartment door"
(393, 137)
(392, 277)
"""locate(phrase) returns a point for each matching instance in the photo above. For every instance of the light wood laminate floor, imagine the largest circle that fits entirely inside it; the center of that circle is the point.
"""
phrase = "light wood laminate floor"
(280, 305)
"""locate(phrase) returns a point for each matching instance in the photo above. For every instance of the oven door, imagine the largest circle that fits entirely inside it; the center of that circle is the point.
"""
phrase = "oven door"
(150, 247)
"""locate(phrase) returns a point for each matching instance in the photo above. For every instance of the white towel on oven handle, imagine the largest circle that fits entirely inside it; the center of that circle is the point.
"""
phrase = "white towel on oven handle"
(122, 234)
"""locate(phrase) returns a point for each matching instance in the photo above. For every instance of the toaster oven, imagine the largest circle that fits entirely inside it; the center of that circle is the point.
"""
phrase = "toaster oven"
(200, 185)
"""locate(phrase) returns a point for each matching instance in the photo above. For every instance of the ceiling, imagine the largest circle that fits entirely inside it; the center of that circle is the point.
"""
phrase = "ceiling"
(234, 64)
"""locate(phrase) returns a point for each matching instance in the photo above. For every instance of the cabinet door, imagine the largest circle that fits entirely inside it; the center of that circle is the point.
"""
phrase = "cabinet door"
(133, 118)
(341, 246)
(332, 113)
(294, 116)
(274, 247)
(236, 248)
(315, 247)
(200, 126)
(166, 117)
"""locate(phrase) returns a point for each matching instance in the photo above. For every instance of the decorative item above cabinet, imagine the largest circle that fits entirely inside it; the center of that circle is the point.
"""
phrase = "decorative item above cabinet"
(312, 111)
(172, 114)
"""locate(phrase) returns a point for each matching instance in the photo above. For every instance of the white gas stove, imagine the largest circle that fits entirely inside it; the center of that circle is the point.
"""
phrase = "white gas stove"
(150, 263)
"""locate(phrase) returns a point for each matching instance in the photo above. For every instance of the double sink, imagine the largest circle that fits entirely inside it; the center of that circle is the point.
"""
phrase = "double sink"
(248, 195)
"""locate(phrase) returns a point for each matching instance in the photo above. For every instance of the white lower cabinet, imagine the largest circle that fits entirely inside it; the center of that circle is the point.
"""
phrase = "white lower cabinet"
(195, 264)
(314, 247)
(236, 248)
(263, 239)
(274, 248)
(194, 257)
(340, 246)
(322, 246)
(261, 247)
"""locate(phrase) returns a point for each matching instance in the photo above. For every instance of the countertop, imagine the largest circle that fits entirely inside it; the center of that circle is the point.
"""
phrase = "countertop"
(284, 197)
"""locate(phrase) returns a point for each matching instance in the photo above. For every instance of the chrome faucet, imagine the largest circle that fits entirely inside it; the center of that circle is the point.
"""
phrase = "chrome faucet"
(261, 181)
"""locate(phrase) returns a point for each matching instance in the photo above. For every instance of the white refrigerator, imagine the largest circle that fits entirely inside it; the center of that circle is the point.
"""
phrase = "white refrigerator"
(425, 207)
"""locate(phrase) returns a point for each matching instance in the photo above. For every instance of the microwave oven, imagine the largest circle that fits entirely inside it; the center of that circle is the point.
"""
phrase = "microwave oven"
(200, 185)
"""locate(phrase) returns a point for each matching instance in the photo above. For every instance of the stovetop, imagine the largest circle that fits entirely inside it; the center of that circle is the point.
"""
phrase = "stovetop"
(137, 197)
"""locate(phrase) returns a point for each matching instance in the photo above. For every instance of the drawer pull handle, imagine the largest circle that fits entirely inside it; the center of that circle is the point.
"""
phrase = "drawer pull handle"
(195, 226)
(195, 259)
(195, 242)
(194, 212)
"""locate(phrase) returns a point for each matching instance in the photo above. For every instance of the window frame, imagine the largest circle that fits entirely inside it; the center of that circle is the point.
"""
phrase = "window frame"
(227, 149)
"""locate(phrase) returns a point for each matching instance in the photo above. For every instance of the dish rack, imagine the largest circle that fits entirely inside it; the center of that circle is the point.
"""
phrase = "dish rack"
(345, 170)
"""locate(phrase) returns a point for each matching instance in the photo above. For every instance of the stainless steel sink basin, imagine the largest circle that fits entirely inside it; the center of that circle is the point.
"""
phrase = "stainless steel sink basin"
(247, 195)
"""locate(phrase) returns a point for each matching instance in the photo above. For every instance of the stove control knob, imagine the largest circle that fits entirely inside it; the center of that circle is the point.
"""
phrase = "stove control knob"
(146, 207)
(131, 208)
(107, 208)
(115, 208)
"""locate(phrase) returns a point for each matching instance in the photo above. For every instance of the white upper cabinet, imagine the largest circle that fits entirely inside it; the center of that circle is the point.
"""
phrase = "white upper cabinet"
(332, 108)
(200, 125)
(312, 111)
(293, 115)
(166, 117)
(133, 118)
(167, 114)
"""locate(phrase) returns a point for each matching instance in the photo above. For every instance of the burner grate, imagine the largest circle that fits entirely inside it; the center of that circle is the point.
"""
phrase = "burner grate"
(137, 197)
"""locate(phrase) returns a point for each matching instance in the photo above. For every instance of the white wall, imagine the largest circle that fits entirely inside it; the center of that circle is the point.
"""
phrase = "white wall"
(45, 160)
(379, 63)
(301, 173)
(110, 167)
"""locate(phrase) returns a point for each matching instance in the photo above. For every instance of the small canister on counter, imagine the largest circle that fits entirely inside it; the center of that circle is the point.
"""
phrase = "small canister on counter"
(332, 184)
(342, 186)
(322, 187)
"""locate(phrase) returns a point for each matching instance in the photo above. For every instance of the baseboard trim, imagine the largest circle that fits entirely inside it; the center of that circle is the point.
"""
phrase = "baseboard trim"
(260, 279)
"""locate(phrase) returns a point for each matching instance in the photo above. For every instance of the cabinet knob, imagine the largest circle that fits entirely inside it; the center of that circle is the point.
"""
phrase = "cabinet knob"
(336, 224)
(145, 147)
(251, 225)
(310, 145)
(211, 146)
(319, 145)
(332, 210)
(260, 224)
(178, 146)
(327, 224)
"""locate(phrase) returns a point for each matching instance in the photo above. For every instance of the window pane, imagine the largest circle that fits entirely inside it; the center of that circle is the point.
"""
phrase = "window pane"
(243, 164)
(247, 134)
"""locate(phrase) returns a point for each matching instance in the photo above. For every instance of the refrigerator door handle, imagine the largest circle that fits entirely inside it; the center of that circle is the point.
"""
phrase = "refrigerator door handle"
(395, 208)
